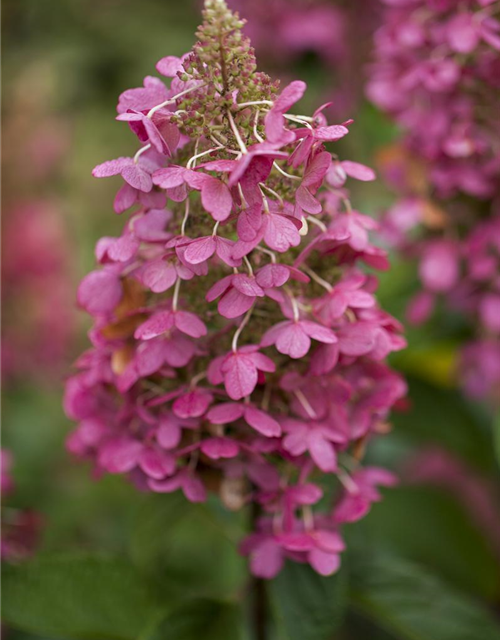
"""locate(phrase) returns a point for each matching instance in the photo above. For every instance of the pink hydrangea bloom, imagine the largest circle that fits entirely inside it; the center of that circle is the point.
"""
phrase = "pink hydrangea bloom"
(437, 72)
(235, 333)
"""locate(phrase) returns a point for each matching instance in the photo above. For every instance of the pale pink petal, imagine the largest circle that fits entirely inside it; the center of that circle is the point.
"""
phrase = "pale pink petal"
(322, 452)
(169, 178)
(356, 338)
(272, 275)
(332, 133)
(281, 233)
(233, 304)
(125, 198)
(318, 332)
(293, 341)
(218, 288)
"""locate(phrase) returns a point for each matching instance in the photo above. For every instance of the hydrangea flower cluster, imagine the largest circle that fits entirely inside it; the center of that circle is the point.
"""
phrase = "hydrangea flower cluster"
(437, 72)
(237, 345)
(20, 527)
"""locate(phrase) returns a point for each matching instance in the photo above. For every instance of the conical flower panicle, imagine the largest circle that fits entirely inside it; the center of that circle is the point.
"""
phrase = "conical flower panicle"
(237, 343)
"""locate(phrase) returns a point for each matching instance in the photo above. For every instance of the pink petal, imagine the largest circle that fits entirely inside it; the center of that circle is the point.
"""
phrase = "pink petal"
(149, 357)
(169, 178)
(224, 250)
(111, 167)
(120, 456)
(169, 433)
(216, 448)
(216, 198)
(272, 275)
(249, 223)
(100, 292)
(154, 326)
(247, 285)
(331, 133)
(358, 171)
(156, 464)
(262, 422)
(307, 201)
(322, 452)
(234, 304)
(137, 178)
(293, 341)
(192, 404)
(200, 250)
(240, 376)
(190, 324)
(124, 248)
(323, 562)
(218, 288)
(225, 413)
(125, 198)
(267, 560)
(169, 66)
(193, 488)
(357, 338)
(281, 233)
(318, 332)
(159, 276)
(180, 351)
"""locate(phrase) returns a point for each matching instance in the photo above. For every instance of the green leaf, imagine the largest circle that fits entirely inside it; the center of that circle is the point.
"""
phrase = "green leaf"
(77, 597)
(449, 543)
(186, 549)
(411, 604)
(307, 606)
(201, 618)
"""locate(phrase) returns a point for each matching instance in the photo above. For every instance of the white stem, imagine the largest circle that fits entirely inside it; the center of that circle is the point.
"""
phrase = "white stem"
(242, 105)
(140, 152)
(240, 329)
(216, 226)
(186, 216)
(305, 403)
(248, 265)
(172, 100)
(237, 135)
(318, 223)
(318, 279)
(287, 175)
(271, 191)
(176, 294)
(200, 155)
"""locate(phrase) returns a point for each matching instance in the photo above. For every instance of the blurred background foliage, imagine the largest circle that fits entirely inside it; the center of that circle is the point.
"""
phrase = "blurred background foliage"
(113, 563)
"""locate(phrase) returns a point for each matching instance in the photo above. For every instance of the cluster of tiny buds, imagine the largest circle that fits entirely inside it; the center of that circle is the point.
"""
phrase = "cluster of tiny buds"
(238, 346)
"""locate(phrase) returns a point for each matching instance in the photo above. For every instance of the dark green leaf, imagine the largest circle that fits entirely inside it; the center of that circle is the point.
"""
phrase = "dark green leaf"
(307, 606)
(411, 604)
(201, 619)
(77, 597)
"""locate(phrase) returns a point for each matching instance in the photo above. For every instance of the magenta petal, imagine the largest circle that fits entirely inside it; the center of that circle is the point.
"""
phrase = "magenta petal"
(100, 292)
(323, 562)
(169, 66)
(192, 404)
(154, 326)
(111, 167)
(169, 178)
(331, 133)
(179, 350)
(262, 422)
(125, 198)
(234, 304)
(307, 201)
(225, 413)
(150, 356)
(159, 276)
(322, 452)
(200, 250)
(293, 341)
(216, 448)
(218, 288)
(169, 433)
(216, 198)
(120, 456)
(281, 233)
(240, 376)
(190, 324)
(357, 338)
(358, 171)
(272, 275)
(137, 178)
(156, 464)
(318, 332)
(267, 560)
(124, 248)
(193, 488)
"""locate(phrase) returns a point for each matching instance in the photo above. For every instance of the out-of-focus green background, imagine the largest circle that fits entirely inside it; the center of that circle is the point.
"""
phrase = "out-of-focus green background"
(64, 64)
